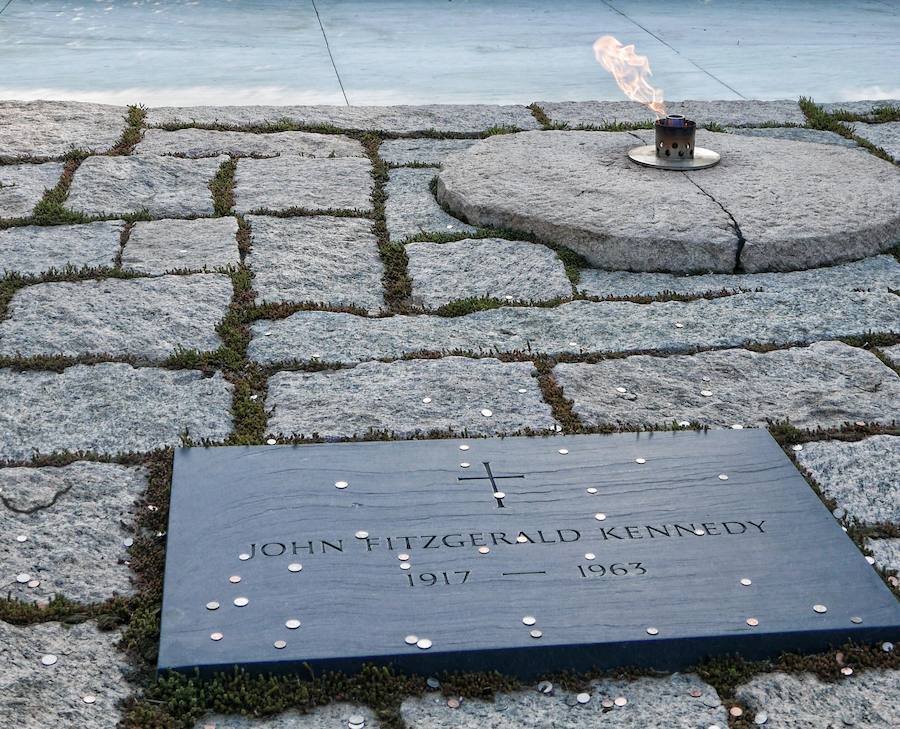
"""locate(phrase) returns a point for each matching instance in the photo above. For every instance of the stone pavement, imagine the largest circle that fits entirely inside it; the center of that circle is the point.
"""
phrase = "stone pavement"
(252, 274)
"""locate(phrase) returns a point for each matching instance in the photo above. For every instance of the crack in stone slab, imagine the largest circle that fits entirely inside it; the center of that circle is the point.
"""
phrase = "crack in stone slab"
(737, 228)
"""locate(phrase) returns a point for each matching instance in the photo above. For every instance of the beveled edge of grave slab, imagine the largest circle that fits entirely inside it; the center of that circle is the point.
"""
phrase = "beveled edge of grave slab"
(198, 143)
(753, 211)
(399, 119)
(64, 527)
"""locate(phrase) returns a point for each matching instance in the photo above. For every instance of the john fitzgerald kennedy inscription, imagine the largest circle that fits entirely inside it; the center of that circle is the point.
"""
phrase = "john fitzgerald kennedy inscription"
(523, 555)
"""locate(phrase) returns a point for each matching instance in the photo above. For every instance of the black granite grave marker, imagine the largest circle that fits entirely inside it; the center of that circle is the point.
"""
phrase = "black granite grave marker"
(522, 555)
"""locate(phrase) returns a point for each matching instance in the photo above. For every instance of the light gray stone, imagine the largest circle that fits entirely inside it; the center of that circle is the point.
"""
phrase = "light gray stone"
(652, 702)
(886, 136)
(318, 259)
(88, 664)
(861, 476)
(445, 272)
(196, 143)
(797, 134)
(411, 208)
(862, 108)
(423, 151)
(886, 553)
(797, 206)
(23, 186)
(399, 119)
(581, 326)
(159, 246)
(726, 113)
(72, 519)
(865, 700)
(281, 183)
(330, 716)
(109, 408)
(388, 396)
(893, 354)
(163, 186)
(823, 385)
(142, 317)
(877, 273)
(32, 249)
(44, 129)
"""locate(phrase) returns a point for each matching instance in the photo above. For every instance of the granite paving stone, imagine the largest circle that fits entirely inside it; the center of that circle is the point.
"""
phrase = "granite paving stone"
(886, 552)
(797, 134)
(411, 208)
(109, 408)
(42, 129)
(421, 151)
(582, 326)
(142, 317)
(824, 385)
(72, 519)
(865, 700)
(893, 354)
(652, 702)
(320, 259)
(195, 143)
(860, 476)
(865, 107)
(163, 186)
(281, 183)
(886, 136)
(876, 273)
(399, 119)
(159, 246)
(725, 112)
(470, 268)
(330, 716)
(23, 186)
(88, 664)
(389, 397)
(32, 250)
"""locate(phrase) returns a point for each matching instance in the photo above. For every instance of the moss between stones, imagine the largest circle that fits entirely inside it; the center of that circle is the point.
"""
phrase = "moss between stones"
(818, 118)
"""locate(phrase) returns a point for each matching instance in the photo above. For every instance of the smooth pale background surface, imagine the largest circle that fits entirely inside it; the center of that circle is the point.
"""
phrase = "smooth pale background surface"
(421, 51)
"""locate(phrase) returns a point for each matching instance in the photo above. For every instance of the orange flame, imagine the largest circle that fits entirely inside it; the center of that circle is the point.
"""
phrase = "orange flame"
(630, 71)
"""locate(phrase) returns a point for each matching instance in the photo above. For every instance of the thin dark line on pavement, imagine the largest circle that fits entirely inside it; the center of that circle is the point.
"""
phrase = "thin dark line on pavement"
(328, 48)
(9, 2)
(673, 48)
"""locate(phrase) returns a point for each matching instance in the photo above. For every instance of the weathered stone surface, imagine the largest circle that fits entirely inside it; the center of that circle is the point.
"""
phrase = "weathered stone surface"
(825, 384)
(33, 249)
(652, 702)
(877, 273)
(319, 259)
(23, 186)
(400, 119)
(142, 317)
(411, 208)
(886, 136)
(330, 716)
(423, 151)
(109, 408)
(795, 208)
(582, 326)
(726, 113)
(52, 128)
(379, 396)
(859, 107)
(158, 246)
(445, 272)
(282, 183)
(893, 354)
(802, 701)
(72, 519)
(796, 134)
(88, 664)
(196, 143)
(886, 552)
(163, 186)
(861, 476)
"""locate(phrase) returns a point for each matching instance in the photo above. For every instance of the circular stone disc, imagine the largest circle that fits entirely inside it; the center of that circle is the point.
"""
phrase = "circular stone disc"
(646, 155)
(770, 204)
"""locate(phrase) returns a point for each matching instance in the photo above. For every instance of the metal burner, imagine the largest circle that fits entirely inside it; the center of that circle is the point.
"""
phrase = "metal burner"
(674, 148)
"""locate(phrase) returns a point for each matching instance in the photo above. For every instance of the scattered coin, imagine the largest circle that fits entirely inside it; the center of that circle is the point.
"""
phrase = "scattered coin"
(423, 643)
(21, 538)
(699, 532)
(621, 389)
(271, 441)
(887, 647)
(820, 608)
(695, 693)
(761, 718)
(737, 426)
(522, 391)
(405, 565)
(723, 476)
(426, 400)
(292, 624)
(89, 698)
(679, 325)
(49, 659)
(279, 644)
(564, 451)
(295, 567)
(847, 671)
(746, 581)
(620, 701)
(241, 601)
(483, 550)
(652, 631)
(600, 516)
(453, 703)
(215, 636)
(590, 556)
(752, 622)
(34, 583)
(356, 719)
(736, 711)
(411, 639)
(607, 703)
(592, 491)
(870, 560)
(706, 393)
(583, 698)
(361, 534)
(213, 605)
(487, 413)
(464, 464)
(839, 513)
(128, 542)
(684, 423)
(23, 577)
(545, 687)
(243, 557)
(856, 620)
(341, 484)
(529, 620)
(403, 557)
(234, 579)
(433, 683)
(640, 460)
(797, 447)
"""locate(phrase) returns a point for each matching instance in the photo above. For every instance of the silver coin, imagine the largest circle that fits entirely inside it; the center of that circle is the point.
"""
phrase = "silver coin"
(271, 441)
(295, 567)
(241, 601)
(607, 703)
(521, 539)
(405, 565)
(679, 325)
(23, 577)
(483, 550)
(887, 647)
(529, 620)
(545, 687)
(89, 698)
(464, 447)
(746, 581)
(705, 378)
(761, 718)
(522, 390)
(357, 719)
(350, 725)
(699, 532)
(737, 426)
(652, 631)
(411, 639)
(341, 485)
(213, 605)
(797, 447)
(856, 620)
(563, 451)
(723, 476)
(684, 423)
(49, 659)
(592, 491)
(499, 495)
(403, 557)
(640, 460)
(590, 556)
(621, 389)
(128, 542)
(600, 516)
(536, 633)
(620, 701)
(216, 636)
(870, 560)
(21, 538)
(423, 643)
(279, 644)
(583, 698)
(243, 557)
(706, 393)
(361, 534)
(487, 413)
(464, 465)
(292, 624)
(432, 683)
(820, 608)
(426, 400)
(752, 622)
(234, 579)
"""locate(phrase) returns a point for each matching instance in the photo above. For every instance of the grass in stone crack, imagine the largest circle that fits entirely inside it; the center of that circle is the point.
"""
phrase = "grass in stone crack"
(818, 118)
(879, 115)
(222, 187)
(131, 135)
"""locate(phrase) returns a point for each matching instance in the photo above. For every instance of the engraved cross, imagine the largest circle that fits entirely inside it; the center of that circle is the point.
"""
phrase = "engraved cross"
(493, 479)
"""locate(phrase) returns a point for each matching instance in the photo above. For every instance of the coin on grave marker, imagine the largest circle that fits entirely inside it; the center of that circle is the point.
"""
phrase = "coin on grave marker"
(583, 698)
(403, 557)
(752, 622)
(341, 485)
(464, 447)
(590, 556)
(279, 644)
(23, 577)
(212, 605)
(483, 550)
(640, 460)
(243, 557)
(620, 701)
(723, 477)
(361, 534)
(292, 624)
(424, 643)
(820, 608)
(487, 413)
(464, 464)
(521, 539)
(241, 601)
(607, 703)
(234, 579)
(499, 495)
(536, 633)
(356, 719)
(761, 718)
(652, 631)
(529, 620)
(215, 636)
(34, 583)
(405, 565)
(411, 639)
(49, 659)
(564, 451)
(295, 567)
(600, 516)
(746, 581)
(89, 698)
(856, 620)
(592, 490)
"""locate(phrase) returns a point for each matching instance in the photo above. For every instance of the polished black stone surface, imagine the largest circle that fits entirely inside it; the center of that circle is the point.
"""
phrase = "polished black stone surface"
(670, 554)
